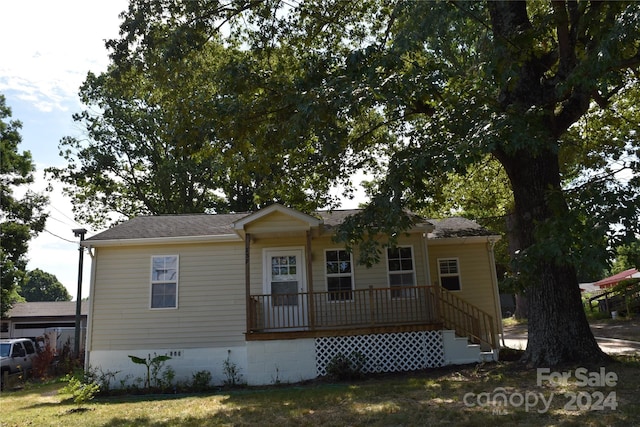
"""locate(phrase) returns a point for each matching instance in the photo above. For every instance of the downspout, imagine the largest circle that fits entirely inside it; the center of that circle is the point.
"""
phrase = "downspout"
(494, 279)
(247, 279)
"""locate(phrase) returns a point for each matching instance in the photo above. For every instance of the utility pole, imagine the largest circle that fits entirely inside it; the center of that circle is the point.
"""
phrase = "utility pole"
(79, 232)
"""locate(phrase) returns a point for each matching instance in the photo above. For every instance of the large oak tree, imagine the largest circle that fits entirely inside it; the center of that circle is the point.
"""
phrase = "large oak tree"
(417, 92)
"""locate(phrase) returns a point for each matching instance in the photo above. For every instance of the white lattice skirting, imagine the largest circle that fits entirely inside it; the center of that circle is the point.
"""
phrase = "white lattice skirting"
(394, 352)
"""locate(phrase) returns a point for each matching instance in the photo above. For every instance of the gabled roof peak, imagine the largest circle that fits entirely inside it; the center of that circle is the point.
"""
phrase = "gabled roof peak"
(271, 209)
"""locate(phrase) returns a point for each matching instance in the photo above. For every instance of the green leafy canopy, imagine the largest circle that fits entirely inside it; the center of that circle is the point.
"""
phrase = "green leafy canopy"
(214, 106)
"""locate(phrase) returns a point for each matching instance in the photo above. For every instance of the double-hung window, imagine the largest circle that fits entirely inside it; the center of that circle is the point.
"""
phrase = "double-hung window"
(401, 271)
(164, 281)
(339, 273)
(449, 271)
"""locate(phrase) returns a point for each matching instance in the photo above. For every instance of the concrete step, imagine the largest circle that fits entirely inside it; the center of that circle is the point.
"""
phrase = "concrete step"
(458, 351)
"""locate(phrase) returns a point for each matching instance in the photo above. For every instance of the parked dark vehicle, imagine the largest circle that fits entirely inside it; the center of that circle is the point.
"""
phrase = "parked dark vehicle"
(16, 355)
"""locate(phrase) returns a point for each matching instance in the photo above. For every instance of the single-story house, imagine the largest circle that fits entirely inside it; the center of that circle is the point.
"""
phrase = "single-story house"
(271, 294)
(47, 318)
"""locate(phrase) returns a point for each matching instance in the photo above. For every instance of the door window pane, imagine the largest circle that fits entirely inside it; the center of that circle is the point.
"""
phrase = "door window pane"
(284, 293)
(283, 266)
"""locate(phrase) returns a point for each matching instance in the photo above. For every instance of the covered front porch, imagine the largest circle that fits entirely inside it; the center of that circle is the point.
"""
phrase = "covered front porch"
(283, 302)
(392, 330)
(367, 311)
(307, 302)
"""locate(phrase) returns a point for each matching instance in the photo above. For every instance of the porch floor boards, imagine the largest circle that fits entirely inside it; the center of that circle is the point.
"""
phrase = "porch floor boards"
(334, 332)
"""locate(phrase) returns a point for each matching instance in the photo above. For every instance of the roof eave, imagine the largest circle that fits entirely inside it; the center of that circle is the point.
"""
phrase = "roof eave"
(162, 240)
(463, 239)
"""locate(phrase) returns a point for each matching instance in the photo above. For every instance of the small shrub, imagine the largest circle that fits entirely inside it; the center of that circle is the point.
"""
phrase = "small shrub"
(100, 377)
(231, 371)
(81, 391)
(67, 363)
(166, 379)
(137, 383)
(276, 380)
(342, 368)
(201, 381)
(42, 362)
(124, 380)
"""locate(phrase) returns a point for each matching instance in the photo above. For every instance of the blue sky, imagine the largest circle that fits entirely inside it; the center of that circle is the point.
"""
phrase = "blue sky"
(48, 47)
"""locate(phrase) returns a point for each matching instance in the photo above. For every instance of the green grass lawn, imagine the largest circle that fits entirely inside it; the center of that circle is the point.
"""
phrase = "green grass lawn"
(434, 397)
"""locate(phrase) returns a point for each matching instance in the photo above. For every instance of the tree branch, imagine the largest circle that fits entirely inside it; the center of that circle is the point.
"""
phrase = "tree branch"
(565, 45)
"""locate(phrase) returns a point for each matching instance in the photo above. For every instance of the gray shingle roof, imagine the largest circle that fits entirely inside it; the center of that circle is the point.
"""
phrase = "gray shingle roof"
(216, 225)
(457, 227)
(143, 227)
(335, 218)
(47, 309)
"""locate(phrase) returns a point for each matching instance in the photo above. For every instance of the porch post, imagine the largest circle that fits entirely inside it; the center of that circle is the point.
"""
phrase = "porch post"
(247, 280)
(312, 308)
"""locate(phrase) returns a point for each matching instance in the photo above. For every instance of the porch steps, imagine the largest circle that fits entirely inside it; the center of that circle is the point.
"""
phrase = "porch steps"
(489, 356)
(458, 351)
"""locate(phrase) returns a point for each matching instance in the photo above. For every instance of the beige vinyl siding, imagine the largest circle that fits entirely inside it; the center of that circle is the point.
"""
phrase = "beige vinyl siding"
(276, 222)
(211, 285)
(376, 276)
(364, 277)
(476, 283)
(211, 304)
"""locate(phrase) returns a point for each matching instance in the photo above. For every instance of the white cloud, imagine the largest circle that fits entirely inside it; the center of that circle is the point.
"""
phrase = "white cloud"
(53, 46)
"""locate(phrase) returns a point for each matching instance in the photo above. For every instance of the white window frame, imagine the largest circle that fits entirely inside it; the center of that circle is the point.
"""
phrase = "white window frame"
(457, 274)
(161, 282)
(329, 275)
(397, 272)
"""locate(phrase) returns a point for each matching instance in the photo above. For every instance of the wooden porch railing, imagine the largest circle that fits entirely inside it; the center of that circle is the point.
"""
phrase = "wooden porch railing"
(413, 305)
(466, 319)
(344, 309)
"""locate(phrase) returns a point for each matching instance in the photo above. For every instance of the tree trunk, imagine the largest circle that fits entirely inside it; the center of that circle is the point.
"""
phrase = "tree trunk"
(522, 307)
(558, 328)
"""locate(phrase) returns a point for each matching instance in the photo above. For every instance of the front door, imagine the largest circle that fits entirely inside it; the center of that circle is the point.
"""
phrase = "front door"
(286, 285)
